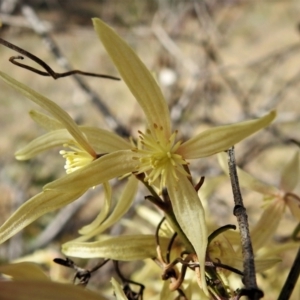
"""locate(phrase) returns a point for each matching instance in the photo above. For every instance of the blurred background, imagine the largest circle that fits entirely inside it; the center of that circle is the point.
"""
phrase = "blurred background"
(218, 62)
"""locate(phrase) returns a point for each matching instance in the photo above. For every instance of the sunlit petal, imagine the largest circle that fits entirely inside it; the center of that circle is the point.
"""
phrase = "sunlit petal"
(190, 216)
(291, 174)
(103, 169)
(246, 180)
(137, 77)
(35, 207)
(221, 138)
(125, 248)
(104, 141)
(45, 121)
(53, 109)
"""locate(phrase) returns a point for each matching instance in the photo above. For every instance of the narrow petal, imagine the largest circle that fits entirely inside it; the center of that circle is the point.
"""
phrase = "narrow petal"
(46, 290)
(45, 142)
(45, 121)
(35, 207)
(53, 109)
(121, 208)
(266, 226)
(293, 203)
(189, 214)
(104, 141)
(260, 264)
(248, 181)
(221, 138)
(119, 293)
(24, 271)
(125, 248)
(137, 77)
(100, 170)
(103, 212)
(291, 174)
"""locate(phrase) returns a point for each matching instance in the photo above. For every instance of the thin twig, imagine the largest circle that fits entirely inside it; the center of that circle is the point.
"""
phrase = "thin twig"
(251, 289)
(38, 27)
(291, 279)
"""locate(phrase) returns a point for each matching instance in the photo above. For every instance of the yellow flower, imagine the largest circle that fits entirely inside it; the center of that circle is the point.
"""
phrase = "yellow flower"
(158, 154)
(276, 198)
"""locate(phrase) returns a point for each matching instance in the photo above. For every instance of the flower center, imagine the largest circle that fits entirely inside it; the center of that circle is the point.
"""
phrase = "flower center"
(157, 156)
(76, 158)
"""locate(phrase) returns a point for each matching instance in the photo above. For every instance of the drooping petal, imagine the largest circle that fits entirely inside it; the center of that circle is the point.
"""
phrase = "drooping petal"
(260, 264)
(125, 248)
(103, 169)
(119, 293)
(44, 290)
(248, 181)
(121, 208)
(293, 203)
(44, 142)
(267, 224)
(137, 77)
(35, 207)
(221, 138)
(24, 271)
(103, 212)
(45, 121)
(188, 211)
(291, 174)
(53, 109)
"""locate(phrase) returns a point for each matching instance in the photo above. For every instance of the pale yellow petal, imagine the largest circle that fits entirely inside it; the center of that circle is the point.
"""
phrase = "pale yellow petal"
(122, 206)
(291, 174)
(221, 138)
(45, 121)
(190, 216)
(44, 290)
(246, 180)
(53, 109)
(137, 77)
(293, 203)
(260, 264)
(45, 142)
(35, 207)
(103, 212)
(119, 293)
(100, 170)
(104, 141)
(266, 226)
(125, 248)
(24, 271)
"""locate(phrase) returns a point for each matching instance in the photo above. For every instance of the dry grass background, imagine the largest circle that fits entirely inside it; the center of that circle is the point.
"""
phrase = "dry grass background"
(230, 60)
